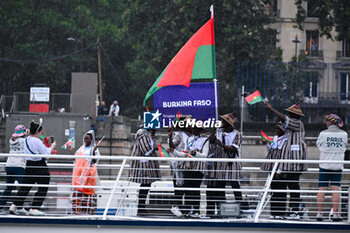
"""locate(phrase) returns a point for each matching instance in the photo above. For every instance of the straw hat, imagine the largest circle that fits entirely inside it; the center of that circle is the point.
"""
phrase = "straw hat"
(335, 119)
(295, 109)
(229, 118)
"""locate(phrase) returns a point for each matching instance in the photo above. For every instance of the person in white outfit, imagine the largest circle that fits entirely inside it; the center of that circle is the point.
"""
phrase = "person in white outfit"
(36, 171)
(14, 165)
(332, 145)
(114, 109)
(177, 141)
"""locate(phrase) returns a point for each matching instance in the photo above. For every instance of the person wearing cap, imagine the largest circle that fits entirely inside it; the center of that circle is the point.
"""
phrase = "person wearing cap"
(332, 144)
(145, 171)
(114, 109)
(224, 144)
(177, 143)
(295, 149)
(14, 165)
(278, 199)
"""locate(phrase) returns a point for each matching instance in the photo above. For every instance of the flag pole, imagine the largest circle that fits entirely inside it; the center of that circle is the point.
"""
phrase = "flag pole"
(242, 106)
(215, 80)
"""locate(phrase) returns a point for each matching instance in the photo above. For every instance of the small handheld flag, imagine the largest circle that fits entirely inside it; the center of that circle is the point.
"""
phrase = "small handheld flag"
(163, 153)
(98, 143)
(254, 98)
(46, 141)
(267, 138)
(189, 155)
(69, 142)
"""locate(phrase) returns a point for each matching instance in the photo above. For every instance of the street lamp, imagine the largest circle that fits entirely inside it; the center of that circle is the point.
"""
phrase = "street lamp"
(74, 38)
(296, 41)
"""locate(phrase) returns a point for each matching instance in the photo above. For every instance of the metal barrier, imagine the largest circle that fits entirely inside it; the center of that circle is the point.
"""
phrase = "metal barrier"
(6, 103)
(58, 102)
(319, 87)
(117, 197)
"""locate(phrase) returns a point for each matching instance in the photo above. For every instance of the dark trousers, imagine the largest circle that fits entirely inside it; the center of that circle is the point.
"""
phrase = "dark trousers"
(278, 201)
(238, 194)
(141, 208)
(12, 174)
(36, 172)
(215, 197)
(292, 183)
(178, 194)
(193, 179)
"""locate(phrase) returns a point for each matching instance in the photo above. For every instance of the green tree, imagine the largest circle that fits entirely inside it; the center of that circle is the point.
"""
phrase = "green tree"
(332, 14)
(158, 29)
(36, 30)
(138, 39)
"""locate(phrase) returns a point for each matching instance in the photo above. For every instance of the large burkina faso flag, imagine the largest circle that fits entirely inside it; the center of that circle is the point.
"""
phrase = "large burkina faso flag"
(195, 60)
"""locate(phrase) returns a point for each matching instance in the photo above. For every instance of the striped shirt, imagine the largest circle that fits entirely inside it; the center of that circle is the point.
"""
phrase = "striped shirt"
(274, 151)
(225, 170)
(295, 148)
(147, 171)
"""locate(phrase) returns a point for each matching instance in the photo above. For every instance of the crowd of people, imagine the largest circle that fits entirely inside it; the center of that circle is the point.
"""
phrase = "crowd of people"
(188, 176)
(288, 144)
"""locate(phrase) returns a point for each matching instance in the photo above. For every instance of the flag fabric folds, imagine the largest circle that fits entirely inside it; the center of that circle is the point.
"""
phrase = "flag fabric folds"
(163, 153)
(254, 98)
(70, 141)
(267, 138)
(195, 60)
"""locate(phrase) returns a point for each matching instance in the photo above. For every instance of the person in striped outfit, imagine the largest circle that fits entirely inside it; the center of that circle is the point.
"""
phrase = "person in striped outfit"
(278, 199)
(295, 149)
(145, 171)
(226, 144)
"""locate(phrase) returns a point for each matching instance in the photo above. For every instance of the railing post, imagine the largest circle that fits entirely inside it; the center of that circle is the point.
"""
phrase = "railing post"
(113, 190)
(260, 206)
(349, 204)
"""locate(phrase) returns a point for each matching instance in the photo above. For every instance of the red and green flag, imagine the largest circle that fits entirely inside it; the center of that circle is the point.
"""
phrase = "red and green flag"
(264, 135)
(69, 142)
(254, 98)
(195, 60)
(189, 155)
(163, 153)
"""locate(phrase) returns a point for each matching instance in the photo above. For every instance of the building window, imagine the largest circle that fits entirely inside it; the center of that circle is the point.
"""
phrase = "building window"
(346, 47)
(312, 43)
(312, 9)
(271, 8)
(344, 86)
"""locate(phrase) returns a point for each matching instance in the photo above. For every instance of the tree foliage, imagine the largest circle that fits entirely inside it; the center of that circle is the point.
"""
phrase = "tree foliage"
(138, 40)
(332, 14)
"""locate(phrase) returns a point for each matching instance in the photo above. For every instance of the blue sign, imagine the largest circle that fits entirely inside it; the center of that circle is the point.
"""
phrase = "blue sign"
(198, 101)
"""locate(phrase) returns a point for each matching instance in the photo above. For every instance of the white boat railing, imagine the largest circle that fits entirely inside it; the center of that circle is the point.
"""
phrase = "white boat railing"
(117, 197)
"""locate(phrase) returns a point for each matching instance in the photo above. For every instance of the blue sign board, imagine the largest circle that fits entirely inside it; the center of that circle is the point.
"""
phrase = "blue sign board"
(197, 100)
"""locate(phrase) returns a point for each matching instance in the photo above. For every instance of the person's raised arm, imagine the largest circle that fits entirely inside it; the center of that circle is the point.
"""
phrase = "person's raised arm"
(69, 147)
(281, 116)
